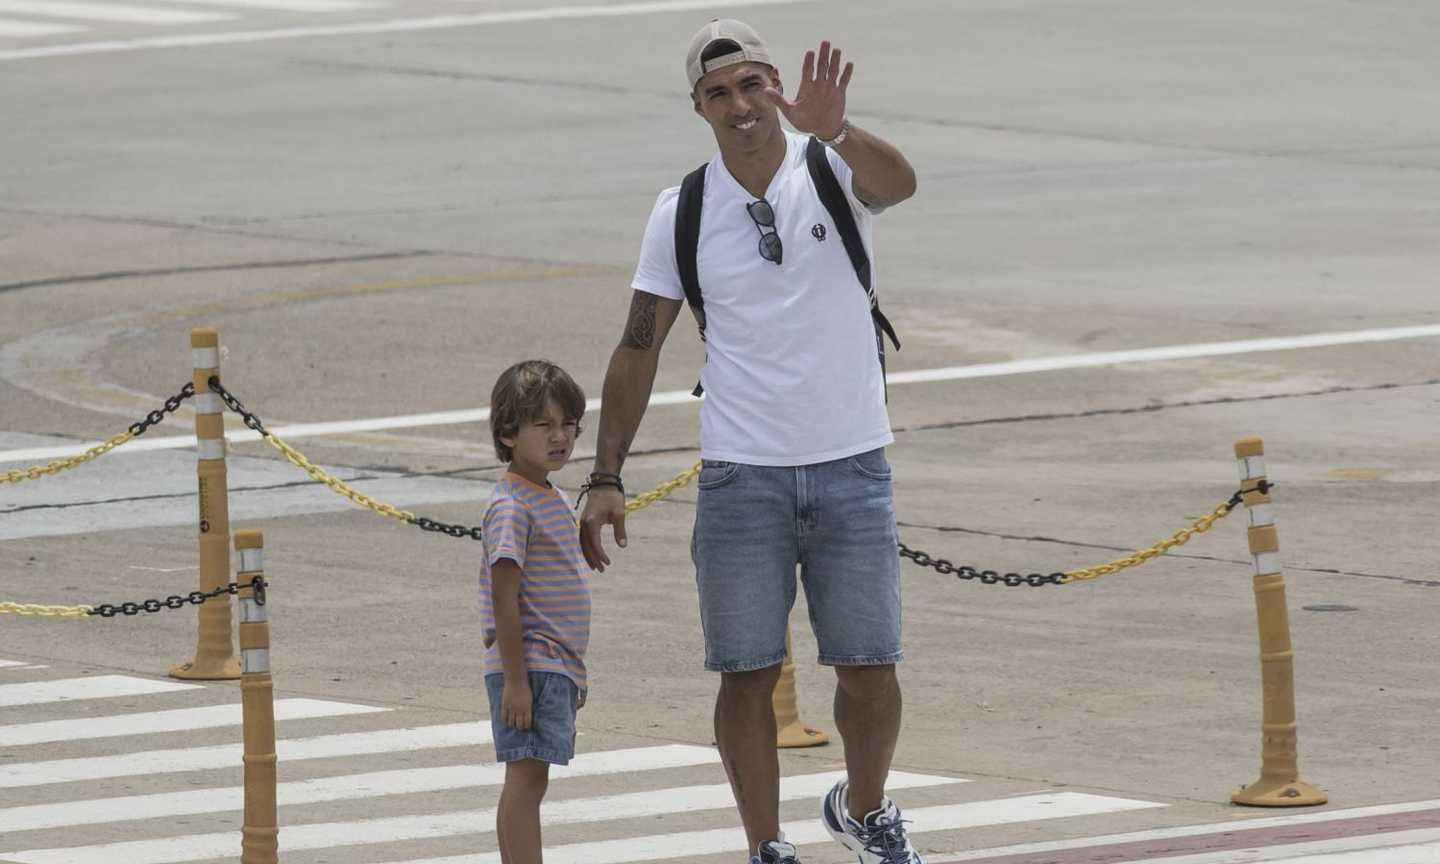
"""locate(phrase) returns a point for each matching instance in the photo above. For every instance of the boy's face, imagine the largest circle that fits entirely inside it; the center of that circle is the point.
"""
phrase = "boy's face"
(544, 444)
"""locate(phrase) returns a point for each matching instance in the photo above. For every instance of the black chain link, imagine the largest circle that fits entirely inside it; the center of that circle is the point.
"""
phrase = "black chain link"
(444, 528)
(1015, 580)
(422, 522)
(985, 577)
(158, 414)
(178, 601)
(235, 405)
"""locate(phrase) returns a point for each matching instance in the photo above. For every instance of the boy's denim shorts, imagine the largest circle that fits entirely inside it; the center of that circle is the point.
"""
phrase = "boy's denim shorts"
(835, 521)
(551, 736)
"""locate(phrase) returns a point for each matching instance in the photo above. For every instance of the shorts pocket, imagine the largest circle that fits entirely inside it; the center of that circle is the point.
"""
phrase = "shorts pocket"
(714, 474)
(872, 465)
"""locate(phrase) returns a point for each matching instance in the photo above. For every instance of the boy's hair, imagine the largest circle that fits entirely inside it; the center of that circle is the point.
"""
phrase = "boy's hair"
(520, 395)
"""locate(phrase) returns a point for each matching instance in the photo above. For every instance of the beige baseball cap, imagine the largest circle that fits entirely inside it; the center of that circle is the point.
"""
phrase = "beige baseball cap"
(752, 48)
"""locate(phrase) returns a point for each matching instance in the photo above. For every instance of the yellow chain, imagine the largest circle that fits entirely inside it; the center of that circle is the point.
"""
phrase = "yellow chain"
(44, 611)
(1140, 556)
(336, 484)
(640, 502)
(57, 466)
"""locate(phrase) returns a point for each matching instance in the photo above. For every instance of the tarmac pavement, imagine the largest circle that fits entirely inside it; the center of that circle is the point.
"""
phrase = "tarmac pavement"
(379, 219)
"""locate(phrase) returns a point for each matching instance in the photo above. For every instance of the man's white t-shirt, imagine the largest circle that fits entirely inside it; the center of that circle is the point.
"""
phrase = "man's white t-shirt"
(791, 373)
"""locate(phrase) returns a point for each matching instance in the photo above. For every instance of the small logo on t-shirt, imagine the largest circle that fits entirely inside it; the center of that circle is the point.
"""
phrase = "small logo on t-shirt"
(818, 232)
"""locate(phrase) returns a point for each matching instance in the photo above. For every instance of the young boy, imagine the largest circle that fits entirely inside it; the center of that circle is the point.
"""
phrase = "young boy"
(534, 596)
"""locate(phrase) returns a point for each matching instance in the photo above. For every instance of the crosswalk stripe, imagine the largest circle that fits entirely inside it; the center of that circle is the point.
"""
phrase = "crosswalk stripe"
(660, 847)
(27, 29)
(229, 755)
(1421, 846)
(285, 5)
(97, 687)
(346, 787)
(685, 799)
(176, 720)
(109, 12)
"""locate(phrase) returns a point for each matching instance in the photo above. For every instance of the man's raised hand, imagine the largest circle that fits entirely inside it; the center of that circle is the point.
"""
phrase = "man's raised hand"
(819, 103)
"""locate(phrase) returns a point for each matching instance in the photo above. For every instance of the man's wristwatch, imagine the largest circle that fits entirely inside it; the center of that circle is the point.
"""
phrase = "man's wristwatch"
(839, 137)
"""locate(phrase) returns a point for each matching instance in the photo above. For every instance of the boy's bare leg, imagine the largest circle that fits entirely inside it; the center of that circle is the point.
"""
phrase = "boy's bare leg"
(867, 713)
(517, 819)
(745, 731)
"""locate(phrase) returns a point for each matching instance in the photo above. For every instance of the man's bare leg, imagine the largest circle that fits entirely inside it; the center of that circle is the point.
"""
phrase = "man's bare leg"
(867, 713)
(745, 732)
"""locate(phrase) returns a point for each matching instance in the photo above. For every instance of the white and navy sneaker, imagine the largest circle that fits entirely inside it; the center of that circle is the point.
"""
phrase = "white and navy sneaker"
(775, 852)
(879, 839)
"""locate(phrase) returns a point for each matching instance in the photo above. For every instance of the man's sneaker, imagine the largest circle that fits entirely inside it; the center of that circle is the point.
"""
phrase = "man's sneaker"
(776, 852)
(879, 839)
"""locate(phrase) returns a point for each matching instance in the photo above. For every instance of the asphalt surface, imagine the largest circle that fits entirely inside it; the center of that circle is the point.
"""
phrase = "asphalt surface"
(378, 223)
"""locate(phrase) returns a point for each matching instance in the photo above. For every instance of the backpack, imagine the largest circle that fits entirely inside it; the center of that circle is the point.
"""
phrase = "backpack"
(687, 241)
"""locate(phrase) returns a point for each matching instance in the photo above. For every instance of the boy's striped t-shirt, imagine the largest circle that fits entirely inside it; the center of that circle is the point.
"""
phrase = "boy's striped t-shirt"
(534, 526)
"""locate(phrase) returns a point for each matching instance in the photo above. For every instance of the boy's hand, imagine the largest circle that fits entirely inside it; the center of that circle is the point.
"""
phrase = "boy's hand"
(517, 704)
(580, 699)
(603, 506)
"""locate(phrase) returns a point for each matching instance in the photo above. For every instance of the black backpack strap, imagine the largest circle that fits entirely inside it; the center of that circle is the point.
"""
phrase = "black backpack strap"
(833, 197)
(687, 245)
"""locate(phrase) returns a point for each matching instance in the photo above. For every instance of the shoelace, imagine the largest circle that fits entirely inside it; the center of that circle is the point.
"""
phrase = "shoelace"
(887, 839)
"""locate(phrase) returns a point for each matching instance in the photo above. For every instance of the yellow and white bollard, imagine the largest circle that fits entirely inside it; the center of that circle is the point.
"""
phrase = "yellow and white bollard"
(789, 731)
(1279, 784)
(260, 834)
(214, 654)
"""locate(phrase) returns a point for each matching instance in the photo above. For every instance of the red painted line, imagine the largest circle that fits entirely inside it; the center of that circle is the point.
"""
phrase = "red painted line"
(1224, 841)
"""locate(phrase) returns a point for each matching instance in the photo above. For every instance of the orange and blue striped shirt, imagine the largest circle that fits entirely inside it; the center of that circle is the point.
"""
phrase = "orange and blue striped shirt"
(534, 526)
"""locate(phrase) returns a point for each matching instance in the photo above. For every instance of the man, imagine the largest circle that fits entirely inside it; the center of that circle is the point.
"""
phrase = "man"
(793, 427)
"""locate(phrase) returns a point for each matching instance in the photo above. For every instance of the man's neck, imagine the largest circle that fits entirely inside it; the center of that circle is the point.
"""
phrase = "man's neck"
(754, 169)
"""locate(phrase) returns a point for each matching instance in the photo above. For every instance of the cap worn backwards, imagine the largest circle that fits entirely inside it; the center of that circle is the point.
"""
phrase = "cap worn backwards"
(750, 48)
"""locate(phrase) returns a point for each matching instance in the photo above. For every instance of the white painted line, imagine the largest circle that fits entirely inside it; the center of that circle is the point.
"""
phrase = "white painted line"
(400, 25)
(686, 799)
(674, 397)
(178, 720)
(108, 12)
(21, 668)
(1173, 352)
(29, 29)
(229, 755)
(279, 6)
(72, 689)
(347, 787)
(658, 802)
(1397, 847)
(1192, 830)
(7, 663)
(659, 847)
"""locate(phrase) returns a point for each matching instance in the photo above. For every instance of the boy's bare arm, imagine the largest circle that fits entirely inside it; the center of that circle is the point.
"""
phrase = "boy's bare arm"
(517, 702)
(629, 380)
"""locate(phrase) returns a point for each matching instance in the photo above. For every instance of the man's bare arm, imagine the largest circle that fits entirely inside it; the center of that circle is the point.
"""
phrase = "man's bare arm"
(630, 378)
(883, 176)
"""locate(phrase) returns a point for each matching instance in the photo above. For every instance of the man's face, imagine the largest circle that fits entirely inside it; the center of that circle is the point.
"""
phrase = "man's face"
(732, 100)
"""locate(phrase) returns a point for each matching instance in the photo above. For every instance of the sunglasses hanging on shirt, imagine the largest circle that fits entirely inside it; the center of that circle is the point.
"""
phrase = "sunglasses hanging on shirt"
(763, 215)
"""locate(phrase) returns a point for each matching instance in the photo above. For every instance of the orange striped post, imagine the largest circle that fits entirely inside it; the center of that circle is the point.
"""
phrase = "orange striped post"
(260, 834)
(214, 655)
(1279, 784)
(789, 731)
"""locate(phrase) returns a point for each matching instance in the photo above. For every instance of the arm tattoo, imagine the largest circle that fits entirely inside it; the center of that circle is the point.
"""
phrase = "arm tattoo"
(621, 452)
(640, 329)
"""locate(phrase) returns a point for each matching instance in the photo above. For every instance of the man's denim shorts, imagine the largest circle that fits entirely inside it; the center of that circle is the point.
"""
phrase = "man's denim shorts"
(551, 736)
(835, 521)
